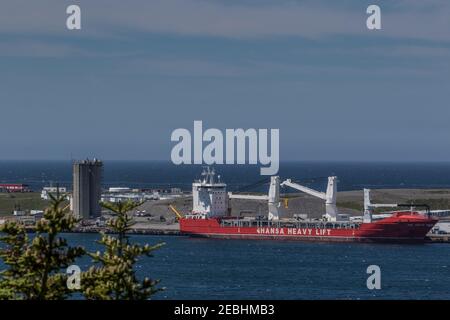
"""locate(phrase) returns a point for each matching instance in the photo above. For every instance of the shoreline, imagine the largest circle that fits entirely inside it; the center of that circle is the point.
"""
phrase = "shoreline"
(154, 232)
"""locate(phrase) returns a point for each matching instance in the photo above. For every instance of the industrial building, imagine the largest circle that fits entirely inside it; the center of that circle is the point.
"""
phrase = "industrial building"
(87, 177)
(122, 194)
(14, 187)
(47, 191)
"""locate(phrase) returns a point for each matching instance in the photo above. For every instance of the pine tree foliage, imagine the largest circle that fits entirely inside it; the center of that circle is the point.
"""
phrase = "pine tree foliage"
(15, 239)
(36, 264)
(113, 277)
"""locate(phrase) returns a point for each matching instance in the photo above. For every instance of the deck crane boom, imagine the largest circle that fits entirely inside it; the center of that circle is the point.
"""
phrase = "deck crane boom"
(369, 206)
(329, 196)
(177, 213)
(272, 198)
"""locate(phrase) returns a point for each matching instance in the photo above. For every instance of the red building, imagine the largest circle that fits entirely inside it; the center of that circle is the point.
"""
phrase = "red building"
(14, 187)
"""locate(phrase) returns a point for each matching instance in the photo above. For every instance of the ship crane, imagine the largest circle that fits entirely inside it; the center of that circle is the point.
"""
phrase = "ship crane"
(329, 196)
(369, 206)
(177, 213)
(272, 198)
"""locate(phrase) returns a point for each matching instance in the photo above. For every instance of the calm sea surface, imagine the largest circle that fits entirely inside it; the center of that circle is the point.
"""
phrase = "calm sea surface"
(147, 174)
(193, 268)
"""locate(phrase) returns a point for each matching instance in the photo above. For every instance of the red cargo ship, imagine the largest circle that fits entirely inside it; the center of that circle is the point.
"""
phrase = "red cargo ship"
(210, 218)
(400, 227)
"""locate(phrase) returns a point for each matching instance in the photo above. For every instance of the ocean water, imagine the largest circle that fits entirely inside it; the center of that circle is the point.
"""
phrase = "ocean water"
(147, 174)
(194, 268)
(199, 269)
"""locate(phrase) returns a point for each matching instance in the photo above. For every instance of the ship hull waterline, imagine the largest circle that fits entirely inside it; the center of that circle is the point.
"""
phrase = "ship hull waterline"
(390, 230)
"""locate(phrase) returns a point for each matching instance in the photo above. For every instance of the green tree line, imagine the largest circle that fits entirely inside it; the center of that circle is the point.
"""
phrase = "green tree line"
(35, 267)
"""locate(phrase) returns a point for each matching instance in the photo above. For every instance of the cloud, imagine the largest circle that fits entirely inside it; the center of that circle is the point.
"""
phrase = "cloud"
(406, 18)
(416, 30)
(38, 49)
(182, 68)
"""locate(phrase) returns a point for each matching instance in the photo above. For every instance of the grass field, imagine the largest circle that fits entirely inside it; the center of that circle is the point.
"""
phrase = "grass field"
(26, 201)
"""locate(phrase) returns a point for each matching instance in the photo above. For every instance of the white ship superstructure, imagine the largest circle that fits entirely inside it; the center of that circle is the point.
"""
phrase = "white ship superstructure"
(209, 196)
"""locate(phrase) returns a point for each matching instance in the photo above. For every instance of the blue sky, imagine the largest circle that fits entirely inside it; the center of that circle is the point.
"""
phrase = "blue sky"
(140, 69)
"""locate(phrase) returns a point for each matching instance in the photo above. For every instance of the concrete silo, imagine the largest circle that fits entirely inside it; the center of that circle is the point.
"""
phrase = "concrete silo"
(87, 178)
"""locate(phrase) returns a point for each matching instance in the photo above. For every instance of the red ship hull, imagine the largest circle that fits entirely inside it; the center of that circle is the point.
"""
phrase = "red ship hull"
(401, 227)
